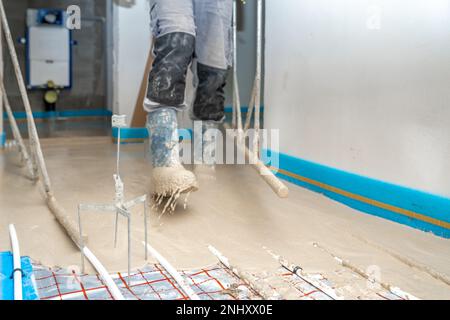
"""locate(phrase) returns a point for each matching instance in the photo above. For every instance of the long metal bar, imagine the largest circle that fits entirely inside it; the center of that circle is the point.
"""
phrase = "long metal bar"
(2, 69)
(259, 37)
(32, 131)
(86, 253)
(173, 272)
(36, 155)
(251, 108)
(16, 132)
(80, 229)
(267, 175)
(408, 261)
(146, 228)
(236, 93)
(299, 273)
(264, 291)
(346, 264)
(129, 249)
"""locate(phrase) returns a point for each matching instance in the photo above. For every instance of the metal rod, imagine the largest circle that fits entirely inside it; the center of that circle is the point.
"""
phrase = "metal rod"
(129, 249)
(299, 273)
(264, 292)
(173, 272)
(259, 36)
(36, 155)
(116, 229)
(236, 94)
(267, 175)
(394, 290)
(80, 229)
(408, 261)
(118, 153)
(146, 228)
(33, 135)
(251, 108)
(234, 116)
(2, 69)
(16, 133)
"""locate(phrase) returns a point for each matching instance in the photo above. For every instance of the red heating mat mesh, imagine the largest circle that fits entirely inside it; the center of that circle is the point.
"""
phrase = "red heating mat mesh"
(151, 282)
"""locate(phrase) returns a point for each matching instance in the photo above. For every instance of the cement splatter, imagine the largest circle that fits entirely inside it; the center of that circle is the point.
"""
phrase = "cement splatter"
(169, 184)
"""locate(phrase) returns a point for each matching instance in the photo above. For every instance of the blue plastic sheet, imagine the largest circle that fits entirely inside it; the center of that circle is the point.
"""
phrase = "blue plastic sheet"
(7, 283)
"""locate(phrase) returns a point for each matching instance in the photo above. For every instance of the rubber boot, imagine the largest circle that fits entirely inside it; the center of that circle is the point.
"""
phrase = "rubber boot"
(169, 178)
(206, 151)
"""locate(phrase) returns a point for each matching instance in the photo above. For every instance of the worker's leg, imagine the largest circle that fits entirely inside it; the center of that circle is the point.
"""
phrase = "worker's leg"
(214, 58)
(174, 31)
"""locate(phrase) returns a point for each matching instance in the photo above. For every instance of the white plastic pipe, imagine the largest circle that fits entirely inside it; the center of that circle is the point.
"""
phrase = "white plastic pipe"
(173, 272)
(115, 292)
(17, 263)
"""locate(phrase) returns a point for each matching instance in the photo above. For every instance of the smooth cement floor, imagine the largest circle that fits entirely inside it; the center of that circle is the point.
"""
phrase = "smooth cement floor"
(237, 213)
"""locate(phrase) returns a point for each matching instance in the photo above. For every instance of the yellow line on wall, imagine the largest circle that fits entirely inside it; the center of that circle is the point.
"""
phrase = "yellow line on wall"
(375, 203)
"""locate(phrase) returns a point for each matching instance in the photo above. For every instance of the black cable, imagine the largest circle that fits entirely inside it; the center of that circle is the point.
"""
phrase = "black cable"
(14, 272)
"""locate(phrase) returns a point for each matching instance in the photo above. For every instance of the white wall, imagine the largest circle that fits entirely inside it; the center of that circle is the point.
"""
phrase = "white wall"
(246, 53)
(132, 40)
(363, 86)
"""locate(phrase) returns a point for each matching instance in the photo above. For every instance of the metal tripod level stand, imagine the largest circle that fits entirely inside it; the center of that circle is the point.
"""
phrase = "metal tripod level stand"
(120, 206)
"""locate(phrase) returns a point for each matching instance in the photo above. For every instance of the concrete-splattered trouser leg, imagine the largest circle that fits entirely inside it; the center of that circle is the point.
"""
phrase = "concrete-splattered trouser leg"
(214, 57)
(209, 103)
(174, 30)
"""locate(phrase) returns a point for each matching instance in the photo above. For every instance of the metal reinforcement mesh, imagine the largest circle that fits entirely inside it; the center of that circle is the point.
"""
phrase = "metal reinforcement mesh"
(306, 291)
(151, 282)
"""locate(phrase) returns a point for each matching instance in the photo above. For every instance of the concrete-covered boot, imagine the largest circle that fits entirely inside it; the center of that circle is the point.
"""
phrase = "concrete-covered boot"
(169, 178)
(205, 151)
